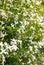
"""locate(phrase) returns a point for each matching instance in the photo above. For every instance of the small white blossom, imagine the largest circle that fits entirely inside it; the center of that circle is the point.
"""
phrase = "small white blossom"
(1, 44)
(14, 47)
(16, 17)
(30, 47)
(38, 2)
(33, 28)
(31, 6)
(13, 41)
(40, 44)
(29, 61)
(3, 13)
(39, 18)
(6, 44)
(12, 25)
(25, 22)
(25, 13)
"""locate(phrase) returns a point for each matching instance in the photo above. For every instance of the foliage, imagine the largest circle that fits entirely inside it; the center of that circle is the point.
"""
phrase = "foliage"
(21, 32)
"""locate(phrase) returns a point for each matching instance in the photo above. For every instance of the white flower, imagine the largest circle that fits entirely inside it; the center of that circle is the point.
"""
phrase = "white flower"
(2, 35)
(28, 1)
(31, 6)
(2, 27)
(30, 37)
(5, 52)
(19, 41)
(13, 41)
(25, 14)
(40, 18)
(3, 14)
(32, 14)
(22, 1)
(33, 0)
(6, 44)
(29, 61)
(40, 44)
(25, 22)
(31, 18)
(33, 28)
(16, 17)
(30, 47)
(35, 46)
(1, 44)
(38, 2)
(12, 25)
(16, 22)
(14, 47)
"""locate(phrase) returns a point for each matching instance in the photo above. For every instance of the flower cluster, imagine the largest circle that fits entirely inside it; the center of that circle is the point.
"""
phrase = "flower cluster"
(21, 32)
